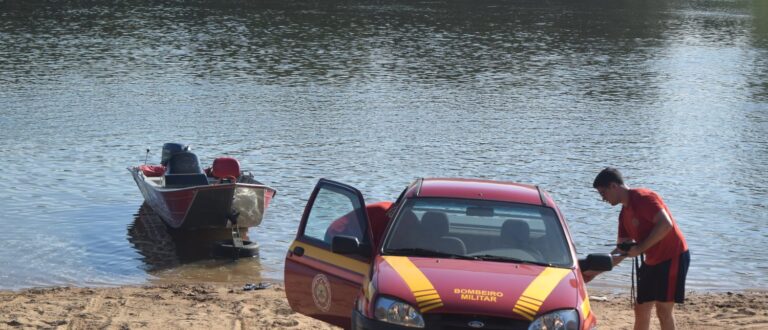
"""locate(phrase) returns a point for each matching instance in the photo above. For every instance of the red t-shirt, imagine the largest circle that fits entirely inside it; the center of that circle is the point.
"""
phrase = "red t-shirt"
(636, 222)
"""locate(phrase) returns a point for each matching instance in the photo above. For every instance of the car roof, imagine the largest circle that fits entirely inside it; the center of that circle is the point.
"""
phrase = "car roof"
(477, 189)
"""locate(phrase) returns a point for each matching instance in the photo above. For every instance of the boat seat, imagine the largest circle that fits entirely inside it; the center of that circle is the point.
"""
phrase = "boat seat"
(225, 168)
(185, 180)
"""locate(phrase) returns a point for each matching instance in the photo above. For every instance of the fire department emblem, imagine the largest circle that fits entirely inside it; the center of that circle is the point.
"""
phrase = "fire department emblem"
(321, 292)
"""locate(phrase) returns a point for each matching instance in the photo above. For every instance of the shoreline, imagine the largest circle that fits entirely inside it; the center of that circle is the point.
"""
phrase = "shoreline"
(224, 305)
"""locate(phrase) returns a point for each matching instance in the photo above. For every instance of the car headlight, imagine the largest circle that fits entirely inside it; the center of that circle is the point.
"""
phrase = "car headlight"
(397, 312)
(567, 319)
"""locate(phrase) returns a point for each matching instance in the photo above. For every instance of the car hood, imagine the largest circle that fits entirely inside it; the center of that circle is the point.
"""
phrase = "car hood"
(450, 286)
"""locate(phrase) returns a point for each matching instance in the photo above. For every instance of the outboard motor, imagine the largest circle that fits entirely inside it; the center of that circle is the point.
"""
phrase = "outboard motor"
(184, 162)
(183, 170)
(170, 149)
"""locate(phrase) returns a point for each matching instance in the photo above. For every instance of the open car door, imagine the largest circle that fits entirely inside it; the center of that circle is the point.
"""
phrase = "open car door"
(318, 282)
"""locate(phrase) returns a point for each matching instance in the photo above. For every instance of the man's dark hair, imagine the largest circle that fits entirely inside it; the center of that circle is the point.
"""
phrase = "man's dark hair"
(607, 176)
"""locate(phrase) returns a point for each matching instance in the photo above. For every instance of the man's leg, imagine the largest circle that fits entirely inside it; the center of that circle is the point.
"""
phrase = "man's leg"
(643, 315)
(664, 310)
(673, 292)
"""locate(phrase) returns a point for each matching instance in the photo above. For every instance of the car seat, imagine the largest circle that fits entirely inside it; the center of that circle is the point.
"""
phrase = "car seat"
(436, 224)
(517, 234)
(407, 233)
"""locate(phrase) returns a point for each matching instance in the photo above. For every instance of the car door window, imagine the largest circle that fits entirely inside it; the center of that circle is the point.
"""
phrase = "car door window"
(335, 212)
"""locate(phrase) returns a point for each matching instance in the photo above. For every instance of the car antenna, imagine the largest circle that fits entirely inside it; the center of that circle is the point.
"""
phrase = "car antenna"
(418, 187)
(541, 196)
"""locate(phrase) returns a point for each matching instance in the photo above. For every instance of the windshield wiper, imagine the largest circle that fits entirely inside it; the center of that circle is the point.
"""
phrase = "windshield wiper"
(491, 257)
(419, 252)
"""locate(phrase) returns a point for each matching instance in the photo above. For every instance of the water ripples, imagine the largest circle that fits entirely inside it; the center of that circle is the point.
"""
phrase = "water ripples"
(376, 95)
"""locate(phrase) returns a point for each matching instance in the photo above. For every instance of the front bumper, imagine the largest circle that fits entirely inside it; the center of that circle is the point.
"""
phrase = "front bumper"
(443, 321)
(360, 322)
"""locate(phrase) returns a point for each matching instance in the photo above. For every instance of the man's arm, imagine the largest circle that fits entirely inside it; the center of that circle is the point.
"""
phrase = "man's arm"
(660, 230)
(618, 254)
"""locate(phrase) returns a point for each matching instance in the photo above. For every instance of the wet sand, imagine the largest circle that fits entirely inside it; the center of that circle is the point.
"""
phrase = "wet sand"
(223, 306)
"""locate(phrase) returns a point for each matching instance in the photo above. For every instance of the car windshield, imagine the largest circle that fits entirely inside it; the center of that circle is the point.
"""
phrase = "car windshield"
(477, 229)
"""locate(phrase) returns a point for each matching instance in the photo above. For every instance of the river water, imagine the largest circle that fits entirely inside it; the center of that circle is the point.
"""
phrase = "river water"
(376, 94)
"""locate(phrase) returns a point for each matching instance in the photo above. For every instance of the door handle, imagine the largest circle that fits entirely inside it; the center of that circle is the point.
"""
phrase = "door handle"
(298, 251)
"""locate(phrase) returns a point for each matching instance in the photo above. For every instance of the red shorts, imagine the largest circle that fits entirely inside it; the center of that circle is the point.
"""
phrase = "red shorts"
(665, 281)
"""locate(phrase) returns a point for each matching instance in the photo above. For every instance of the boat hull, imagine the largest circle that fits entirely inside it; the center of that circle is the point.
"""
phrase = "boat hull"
(207, 206)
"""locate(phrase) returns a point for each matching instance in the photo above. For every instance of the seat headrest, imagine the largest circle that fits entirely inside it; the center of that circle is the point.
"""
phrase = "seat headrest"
(515, 231)
(408, 220)
(224, 167)
(407, 231)
(435, 222)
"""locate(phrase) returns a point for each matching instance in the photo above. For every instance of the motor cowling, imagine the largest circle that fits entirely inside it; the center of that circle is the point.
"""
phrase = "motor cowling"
(170, 149)
(184, 170)
(184, 162)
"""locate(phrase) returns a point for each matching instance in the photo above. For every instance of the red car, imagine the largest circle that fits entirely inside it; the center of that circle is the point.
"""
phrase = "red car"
(449, 253)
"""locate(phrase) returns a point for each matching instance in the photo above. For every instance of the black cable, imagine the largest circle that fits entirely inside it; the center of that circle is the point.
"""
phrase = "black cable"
(632, 293)
(636, 263)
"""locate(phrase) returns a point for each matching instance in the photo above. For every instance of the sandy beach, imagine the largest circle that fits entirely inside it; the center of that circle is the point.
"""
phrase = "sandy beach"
(223, 306)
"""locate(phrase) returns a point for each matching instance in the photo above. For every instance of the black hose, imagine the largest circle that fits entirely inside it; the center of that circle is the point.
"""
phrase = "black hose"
(632, 293)
(636, 262)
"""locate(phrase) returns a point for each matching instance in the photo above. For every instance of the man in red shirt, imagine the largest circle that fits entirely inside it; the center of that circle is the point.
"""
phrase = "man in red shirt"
(646, 220)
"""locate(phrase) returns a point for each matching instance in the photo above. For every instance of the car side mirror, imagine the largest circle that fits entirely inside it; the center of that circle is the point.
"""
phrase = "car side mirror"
(343, 244)
(596, 261)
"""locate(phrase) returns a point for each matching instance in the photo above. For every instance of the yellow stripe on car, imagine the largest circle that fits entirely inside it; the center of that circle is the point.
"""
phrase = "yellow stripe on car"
(428, 297)
(585, 308)
(537, 292)
(523, 304)
(337, 260)
(422, 289)
(525, 311)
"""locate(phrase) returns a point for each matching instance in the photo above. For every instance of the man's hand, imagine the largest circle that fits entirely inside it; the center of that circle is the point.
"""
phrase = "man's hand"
(617, 259)
(634, 251)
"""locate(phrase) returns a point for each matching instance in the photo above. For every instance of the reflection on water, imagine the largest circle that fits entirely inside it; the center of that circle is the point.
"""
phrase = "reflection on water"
(375, 94)
(150, 238)
(179, 255)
